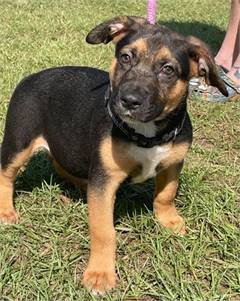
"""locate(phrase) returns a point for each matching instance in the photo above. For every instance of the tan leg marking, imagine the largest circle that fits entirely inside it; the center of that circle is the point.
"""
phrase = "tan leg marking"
(100, 273)
(7, 211)
(7, 177)
(164, 207)
(78, 182)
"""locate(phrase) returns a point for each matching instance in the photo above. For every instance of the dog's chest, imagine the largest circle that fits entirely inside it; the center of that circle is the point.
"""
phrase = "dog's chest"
(149, 159)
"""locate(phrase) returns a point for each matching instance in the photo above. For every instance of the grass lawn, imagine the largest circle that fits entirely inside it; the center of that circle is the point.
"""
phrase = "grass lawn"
(43, 257)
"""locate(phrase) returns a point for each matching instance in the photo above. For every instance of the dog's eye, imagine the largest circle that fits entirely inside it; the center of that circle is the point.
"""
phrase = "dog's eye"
(167, 70)
(125, 58)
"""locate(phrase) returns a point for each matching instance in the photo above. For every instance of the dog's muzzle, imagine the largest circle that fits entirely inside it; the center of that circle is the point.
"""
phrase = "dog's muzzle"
(137, 102)
(132, 96)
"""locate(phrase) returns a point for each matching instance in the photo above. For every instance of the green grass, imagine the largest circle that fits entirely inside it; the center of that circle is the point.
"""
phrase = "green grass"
(43, 257)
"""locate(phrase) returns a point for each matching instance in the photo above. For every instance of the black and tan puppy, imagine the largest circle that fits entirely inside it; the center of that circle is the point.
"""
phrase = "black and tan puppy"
(101, 128)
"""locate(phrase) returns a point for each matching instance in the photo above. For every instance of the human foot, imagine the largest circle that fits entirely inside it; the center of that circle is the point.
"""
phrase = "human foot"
(234, 75)
(226, 64)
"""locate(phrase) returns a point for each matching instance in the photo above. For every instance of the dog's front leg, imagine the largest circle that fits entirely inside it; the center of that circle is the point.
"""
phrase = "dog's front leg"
(165, 192)
(100, 273)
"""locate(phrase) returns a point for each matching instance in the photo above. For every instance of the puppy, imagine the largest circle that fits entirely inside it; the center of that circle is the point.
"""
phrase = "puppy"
(101, 128)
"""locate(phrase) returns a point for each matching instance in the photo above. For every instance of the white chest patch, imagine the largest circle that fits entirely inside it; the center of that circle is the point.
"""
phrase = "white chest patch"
(149, 158)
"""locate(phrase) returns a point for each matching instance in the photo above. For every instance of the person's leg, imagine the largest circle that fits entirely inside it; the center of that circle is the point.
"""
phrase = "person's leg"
(234, 72)
(225, 56)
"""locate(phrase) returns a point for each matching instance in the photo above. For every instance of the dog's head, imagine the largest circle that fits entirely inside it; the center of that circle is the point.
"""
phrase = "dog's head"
(152, 67)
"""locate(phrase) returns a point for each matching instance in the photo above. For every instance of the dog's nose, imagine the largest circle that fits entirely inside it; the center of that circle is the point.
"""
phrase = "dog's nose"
(130, 101)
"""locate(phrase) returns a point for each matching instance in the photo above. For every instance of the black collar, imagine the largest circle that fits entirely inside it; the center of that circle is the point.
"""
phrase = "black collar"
(139, 139)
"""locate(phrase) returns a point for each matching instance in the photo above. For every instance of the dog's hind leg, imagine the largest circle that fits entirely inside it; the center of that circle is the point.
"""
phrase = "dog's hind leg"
(11, 162)
(7, 177)
(22, 136)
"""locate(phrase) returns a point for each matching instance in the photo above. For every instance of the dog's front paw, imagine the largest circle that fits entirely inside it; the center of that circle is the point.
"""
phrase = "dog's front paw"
(175, 224)
(98, 282)
(9, 216)
(172, 221)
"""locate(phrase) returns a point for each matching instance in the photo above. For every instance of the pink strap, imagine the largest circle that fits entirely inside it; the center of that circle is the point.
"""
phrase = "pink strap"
(151, 11)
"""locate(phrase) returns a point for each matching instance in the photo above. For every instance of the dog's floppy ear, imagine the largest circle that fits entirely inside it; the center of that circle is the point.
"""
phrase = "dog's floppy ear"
(202, 64)
(114, 29)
